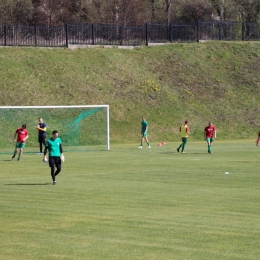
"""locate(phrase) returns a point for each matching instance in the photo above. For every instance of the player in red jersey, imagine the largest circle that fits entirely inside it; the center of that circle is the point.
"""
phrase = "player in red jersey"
(20, 136)
(210, 133)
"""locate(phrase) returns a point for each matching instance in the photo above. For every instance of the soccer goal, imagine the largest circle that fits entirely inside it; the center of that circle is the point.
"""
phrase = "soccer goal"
(80, 127)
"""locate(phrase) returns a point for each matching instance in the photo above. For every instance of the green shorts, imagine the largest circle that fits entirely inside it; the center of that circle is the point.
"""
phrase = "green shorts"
(184, 140)
(20, 145)
(144, 135)
(209, 140)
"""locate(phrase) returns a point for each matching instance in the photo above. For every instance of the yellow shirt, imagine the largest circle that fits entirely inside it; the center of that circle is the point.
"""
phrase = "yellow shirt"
(184, 129)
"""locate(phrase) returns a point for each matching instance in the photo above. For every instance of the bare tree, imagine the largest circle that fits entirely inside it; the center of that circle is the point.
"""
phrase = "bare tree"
(153, 10)
(168, 10)
(57, 12)
(126, 12)
(196, 10)
(16, 11)
(120, 12)
(249, 10)
(225, 9)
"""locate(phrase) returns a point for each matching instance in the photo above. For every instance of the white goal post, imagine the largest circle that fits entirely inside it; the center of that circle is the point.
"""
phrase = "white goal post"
(79, 125)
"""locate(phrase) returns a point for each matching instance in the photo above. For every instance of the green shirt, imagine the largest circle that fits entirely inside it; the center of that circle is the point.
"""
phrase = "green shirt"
(54, 146)
(144, 125)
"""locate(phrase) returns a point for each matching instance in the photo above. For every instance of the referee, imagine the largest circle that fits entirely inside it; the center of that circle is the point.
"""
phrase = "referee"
(42, 133)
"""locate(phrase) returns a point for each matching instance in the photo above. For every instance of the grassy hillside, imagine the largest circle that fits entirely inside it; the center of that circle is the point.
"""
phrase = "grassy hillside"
(217, 81)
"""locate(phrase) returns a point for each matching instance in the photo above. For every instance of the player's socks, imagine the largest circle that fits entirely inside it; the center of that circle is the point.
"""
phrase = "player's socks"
(18, 159)
(13, 156)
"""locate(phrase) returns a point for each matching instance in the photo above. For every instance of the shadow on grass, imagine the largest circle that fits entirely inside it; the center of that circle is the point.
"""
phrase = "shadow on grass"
(29, 184)
(181, 153)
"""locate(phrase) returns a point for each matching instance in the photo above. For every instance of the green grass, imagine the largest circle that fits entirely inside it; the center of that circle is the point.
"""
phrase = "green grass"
(131, 203)
(201, 82)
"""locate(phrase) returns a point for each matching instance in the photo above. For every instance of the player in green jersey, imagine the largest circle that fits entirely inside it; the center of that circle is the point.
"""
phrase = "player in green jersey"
(185, 131)
(144, 132)
(55, 154)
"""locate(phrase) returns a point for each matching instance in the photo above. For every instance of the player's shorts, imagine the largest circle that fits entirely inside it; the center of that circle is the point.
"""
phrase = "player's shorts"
(20, 145)
(55, 161)
(145, 134)
(209, 139)
(184, 140)
(42, 139)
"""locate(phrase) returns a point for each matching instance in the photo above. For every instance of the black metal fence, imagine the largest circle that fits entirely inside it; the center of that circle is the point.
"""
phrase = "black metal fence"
(85, 34)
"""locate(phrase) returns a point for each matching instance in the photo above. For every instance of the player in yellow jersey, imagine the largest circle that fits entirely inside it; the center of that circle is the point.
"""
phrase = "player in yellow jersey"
(185, 131)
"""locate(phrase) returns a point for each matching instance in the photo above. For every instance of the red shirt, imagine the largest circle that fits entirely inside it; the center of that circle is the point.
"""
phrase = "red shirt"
(21, 134)
(209, 131)
(259, 134)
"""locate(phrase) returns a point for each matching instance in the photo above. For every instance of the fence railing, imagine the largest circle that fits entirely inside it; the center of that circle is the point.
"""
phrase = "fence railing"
(85, 34)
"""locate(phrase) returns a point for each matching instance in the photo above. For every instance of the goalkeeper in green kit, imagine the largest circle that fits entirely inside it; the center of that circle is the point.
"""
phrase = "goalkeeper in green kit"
(144, 132)
(55, 154)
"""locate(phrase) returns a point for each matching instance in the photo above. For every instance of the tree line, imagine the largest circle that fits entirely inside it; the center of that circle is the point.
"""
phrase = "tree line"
(126, 12)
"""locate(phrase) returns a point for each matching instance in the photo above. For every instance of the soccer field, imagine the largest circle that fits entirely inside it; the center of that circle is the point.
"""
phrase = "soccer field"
(131, 203)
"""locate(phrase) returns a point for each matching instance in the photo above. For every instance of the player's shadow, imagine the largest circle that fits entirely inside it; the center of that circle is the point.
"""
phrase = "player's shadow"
(28, 184)
(179, 153)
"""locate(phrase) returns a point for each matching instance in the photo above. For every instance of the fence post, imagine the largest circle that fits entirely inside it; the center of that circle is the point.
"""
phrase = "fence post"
(93, 34)
(170, 32)
(35, 35)
(120, 35)
(243, 31)
(4, 35)
(220, 31)
(67, 35)
(198, 31)
(146, 34)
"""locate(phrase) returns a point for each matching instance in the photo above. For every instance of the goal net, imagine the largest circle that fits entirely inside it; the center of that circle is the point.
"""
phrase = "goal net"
(80, 127)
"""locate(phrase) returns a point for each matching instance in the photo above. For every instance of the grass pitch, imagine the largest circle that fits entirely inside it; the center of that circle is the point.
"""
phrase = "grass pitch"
(131, 203)
(201, 82)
